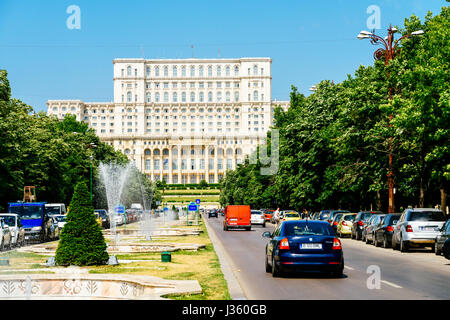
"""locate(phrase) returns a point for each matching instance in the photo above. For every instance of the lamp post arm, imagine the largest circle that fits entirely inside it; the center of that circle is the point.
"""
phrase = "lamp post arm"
(375, 38)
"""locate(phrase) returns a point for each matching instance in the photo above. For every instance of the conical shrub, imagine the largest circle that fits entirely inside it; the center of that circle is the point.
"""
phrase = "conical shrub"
(81, 240)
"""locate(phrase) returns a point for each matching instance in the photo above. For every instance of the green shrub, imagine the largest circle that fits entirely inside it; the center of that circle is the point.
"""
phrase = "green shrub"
(82, 241)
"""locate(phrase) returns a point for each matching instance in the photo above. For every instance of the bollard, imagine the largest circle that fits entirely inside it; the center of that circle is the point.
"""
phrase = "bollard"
(166, 257)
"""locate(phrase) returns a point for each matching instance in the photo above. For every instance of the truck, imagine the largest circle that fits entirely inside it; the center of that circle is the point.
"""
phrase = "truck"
(237, 216)
(34, 218)
(55, 208)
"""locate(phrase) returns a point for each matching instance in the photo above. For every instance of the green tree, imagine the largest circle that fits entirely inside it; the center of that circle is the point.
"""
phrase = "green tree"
(82, 241)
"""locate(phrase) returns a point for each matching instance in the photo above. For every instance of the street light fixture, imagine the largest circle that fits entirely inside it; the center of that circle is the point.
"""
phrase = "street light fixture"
(388, 52)
(313, 88)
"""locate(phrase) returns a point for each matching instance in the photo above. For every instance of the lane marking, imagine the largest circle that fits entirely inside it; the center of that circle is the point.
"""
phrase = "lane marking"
(349, 268)
(391, 284)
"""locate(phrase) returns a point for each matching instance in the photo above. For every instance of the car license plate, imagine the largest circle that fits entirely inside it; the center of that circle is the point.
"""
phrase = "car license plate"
(27, 237)
(428, 228)
(234, 219)
(311, 246)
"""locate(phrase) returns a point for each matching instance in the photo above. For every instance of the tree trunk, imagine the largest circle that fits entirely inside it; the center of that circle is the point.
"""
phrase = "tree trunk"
(421, 194)
(443, 200)
(378, 200)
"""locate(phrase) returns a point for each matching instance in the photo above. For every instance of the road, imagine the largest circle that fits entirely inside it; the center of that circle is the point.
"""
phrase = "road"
(419, 274)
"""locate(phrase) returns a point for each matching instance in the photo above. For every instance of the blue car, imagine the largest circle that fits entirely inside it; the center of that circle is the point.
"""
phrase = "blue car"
(304, 245)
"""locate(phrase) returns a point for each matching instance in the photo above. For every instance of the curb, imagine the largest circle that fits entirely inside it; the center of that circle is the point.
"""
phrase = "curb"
(234, 288)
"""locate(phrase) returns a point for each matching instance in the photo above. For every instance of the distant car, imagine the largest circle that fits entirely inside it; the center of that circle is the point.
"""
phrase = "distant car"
(99, 219)
(323, 215)
(345, 224)
(55, 208)
(268, 214)
(288, 216)
(61, 220)
(417, 227)
(333, 213)
(370, 230)
(55, 230)
(105, 218)
(334, 223)
(360, 222)
(213, 213)
(366, 225)
(15, 227)
(257, 217)
(383, 231)
(5, 236)
(303, 245)
(443, 241)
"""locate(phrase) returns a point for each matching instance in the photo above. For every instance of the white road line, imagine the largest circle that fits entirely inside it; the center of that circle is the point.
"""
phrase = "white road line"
(391, 284)
(349, 268)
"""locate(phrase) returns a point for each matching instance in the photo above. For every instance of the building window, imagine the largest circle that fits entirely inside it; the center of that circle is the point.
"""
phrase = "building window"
(175, 179)
(174, 71)
(166, 97)
(148, 71)
(183, 97)
(166, 71)
(219, 96)
(255, 95)
(192, 164)
(147, 164)
(129, 71)
(166, 164)
(183, 164)
(255, 70)
(209, 71)
(192, 96)
(236, 71)
(227, 96)
(211, 164)
(229, 164)
(175, 97)
(157, 71)
(202, 164)
(156, 164)
(201, 96)
(192, 71)
(219, 71)
(219, 164)
(227, 71)
(174, 164)
(211, 178)
(148, 97)
(236, 96)
(200, 71)
(129, 96)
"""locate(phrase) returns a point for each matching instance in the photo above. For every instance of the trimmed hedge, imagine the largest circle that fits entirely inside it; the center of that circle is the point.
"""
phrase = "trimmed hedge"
(82, 242)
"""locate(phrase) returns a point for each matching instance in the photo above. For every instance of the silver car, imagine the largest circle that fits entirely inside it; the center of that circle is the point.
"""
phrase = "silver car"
(257, 217)
(16, 229)
(417, 227)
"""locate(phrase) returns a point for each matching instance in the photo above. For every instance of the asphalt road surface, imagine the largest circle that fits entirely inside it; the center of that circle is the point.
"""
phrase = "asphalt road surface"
(418, 274)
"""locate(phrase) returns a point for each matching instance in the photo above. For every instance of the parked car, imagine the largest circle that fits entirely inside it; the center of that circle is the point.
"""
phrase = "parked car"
(369, 235)
(303, 245)
(367, 224)
(5, 236)
(257, 217)
(384, 230)
(98, 218)
(61, 220)
(333, 213)
(335, 221)
(105, 218)
(323, 215)
(417, 227)
(268, 214)
(443, 241)
(15, 227)
(315, 216)
(360, 222)
(55, 208)
(238, 216)
(292, 215)
(345, 223)
(54, 229)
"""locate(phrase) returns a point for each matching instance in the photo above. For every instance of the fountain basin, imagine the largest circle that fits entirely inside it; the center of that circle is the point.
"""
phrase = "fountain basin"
(157, 232)
(92, 286)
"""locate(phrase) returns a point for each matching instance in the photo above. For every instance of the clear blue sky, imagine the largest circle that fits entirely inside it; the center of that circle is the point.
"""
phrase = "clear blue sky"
(308, 41)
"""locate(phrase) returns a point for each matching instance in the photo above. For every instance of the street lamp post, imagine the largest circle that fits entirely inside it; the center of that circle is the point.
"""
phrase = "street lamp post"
(91, 157)
(387, 51)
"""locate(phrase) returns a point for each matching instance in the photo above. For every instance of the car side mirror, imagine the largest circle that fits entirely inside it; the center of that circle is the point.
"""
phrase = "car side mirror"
(267, 234)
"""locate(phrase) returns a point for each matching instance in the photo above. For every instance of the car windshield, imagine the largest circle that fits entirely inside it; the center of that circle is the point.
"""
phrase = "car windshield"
(291, 215)
(302, 229)
(31, 212)
(60, 218)
(350, 218)
(253, 212)
(427, 216)
(51, 210)
(337, 217)
(102, 213)
(9, 220)
(366, 216)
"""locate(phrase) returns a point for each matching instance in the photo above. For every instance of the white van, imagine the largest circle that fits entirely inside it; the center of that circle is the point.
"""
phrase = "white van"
(55, 208)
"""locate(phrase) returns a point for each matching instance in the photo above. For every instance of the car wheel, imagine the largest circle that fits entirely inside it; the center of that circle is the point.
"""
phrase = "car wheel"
(366, 240)
(436, 250)
(433, 247)
(268, 267)
(275, 270)
(375, 241)
(225, 228)
(403, 246)
(356, 235)
(352, 235)
(264, 225)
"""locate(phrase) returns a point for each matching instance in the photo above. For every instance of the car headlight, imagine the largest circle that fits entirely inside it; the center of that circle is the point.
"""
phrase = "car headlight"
(36, 229)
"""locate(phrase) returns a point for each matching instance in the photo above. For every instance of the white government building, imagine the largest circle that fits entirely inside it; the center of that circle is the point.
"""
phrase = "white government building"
(182, 120)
